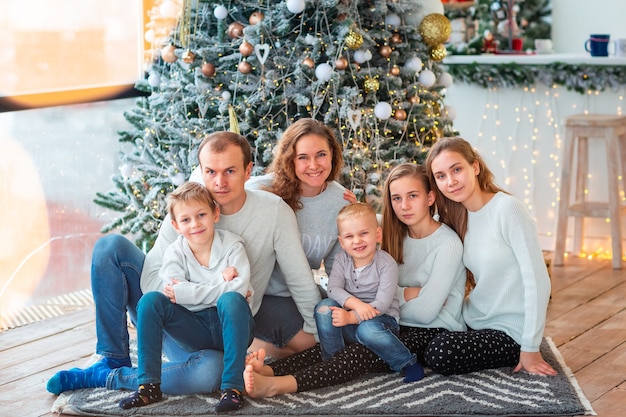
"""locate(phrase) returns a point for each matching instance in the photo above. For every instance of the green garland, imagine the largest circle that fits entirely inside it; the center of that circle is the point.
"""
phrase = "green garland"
(580, 78)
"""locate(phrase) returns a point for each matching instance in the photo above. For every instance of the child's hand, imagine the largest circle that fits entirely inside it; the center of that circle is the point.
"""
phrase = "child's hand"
(169, 291)
(366, 311)
(230, 273)
(349, 196)
(342, 317)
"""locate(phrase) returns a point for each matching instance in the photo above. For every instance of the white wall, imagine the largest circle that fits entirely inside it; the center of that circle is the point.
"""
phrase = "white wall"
(574, 20)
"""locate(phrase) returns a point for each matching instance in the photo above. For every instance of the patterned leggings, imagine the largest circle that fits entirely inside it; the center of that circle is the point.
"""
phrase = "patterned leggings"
(355, 360)
(452, 353)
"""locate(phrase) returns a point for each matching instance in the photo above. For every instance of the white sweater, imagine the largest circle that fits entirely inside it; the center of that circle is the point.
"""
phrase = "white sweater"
(502, 250)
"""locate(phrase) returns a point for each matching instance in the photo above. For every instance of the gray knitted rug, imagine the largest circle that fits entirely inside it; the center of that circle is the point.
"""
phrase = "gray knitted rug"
(496, 392)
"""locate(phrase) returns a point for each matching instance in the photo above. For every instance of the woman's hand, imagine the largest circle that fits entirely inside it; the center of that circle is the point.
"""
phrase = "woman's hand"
(411, 293)
(534, 363)
(349, 196)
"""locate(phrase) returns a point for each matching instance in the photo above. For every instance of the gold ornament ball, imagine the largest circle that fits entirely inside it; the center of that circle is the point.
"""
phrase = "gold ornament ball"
(341, 63)
(168, 54)
(246, 48)
(396, 39)
(354, 40)
(208, 70)
(395, 70)
(371, 85)
(308, 62)
(435, 28)
(235, 30)
(244, 67)
(439, 52)
(385, 51)
(256, 17)
(400, 114)
(414, 100)
(188, 57)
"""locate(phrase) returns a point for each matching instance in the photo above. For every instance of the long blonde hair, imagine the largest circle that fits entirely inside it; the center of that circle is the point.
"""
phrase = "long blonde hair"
(286, 184)
(394, 231)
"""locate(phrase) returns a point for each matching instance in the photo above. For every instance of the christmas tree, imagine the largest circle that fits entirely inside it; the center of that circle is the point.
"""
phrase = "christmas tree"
(370, 69)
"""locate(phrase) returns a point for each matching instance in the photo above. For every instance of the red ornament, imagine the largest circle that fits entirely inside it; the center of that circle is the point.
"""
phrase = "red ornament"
(256, 17)
(244, 67)
(246, 48)
(235, 30)
(341, 63)
(208, 70)
(400, 114)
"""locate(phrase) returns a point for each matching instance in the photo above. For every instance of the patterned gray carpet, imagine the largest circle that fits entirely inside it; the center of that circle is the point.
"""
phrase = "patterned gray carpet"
(496, 392)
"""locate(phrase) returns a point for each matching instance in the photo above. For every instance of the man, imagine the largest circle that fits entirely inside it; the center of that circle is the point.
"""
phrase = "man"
(120, 275)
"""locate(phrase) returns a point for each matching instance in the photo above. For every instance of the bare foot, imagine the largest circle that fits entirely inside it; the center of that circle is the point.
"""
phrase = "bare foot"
(254, 383)
(257, 361)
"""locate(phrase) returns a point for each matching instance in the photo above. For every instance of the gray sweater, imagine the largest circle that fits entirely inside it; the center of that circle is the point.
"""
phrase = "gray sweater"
(200, 286)
(317, 222)
(270, 232)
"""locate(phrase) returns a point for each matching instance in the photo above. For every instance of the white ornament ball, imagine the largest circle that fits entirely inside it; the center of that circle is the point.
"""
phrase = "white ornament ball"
(449, 112)
(367, 54)
(154, 79)
(445, 79)
(220, 12)
(420, 9)
(226, 95)
(359, 56)
(178, 179)
(413, 64)
(310, 39)
(383, 110)
(324, 72)
(126, 170)
(168, 10)
(427, 78)
(392, 20)
(296, 6)
(149, 36)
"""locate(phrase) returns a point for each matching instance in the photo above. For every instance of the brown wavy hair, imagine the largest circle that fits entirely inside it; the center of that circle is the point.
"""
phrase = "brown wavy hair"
(394, 231)
(286, 184)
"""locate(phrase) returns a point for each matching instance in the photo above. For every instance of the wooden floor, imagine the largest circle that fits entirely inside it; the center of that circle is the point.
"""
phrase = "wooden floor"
(586, 320)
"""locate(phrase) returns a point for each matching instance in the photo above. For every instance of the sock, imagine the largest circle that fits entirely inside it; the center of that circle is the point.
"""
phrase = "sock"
(413, 372)
(75, 378)
(146, 394)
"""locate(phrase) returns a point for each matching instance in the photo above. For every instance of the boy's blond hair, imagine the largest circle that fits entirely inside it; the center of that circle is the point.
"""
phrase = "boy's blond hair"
(189, 191)
(358, 209)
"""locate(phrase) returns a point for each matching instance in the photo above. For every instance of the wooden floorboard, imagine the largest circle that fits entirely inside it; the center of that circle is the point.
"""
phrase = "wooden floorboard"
(585, 319)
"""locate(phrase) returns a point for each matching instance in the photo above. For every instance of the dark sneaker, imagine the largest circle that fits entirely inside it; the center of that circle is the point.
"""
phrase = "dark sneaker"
(230, 400)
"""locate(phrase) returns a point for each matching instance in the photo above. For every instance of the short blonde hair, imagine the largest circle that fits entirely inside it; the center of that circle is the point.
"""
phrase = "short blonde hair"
(189, 191)
(358, 209)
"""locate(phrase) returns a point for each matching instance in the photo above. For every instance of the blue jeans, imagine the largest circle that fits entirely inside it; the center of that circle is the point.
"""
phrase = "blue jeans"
(227, 327)
(378, 334)
(115, 276)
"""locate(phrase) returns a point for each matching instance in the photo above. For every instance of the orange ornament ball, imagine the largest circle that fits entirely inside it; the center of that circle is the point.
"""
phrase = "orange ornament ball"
(246, 48)
(400, 114)
(385, 51)
(395, 70)
(188, 57)
(256, 17)
(308, 62)
(244, 67)
(414, 100)
(235, 30)
(341, 63)
(208, 69)
(396, 39)
(168, 54)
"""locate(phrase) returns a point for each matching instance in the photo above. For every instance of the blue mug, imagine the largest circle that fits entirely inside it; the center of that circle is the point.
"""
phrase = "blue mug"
(598, 45)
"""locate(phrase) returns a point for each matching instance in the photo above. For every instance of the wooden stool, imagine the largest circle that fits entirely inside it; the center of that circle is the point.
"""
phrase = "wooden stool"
(580, 128)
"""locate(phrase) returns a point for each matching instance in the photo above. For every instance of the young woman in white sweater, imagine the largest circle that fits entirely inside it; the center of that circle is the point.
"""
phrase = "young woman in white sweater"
(506, 309)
